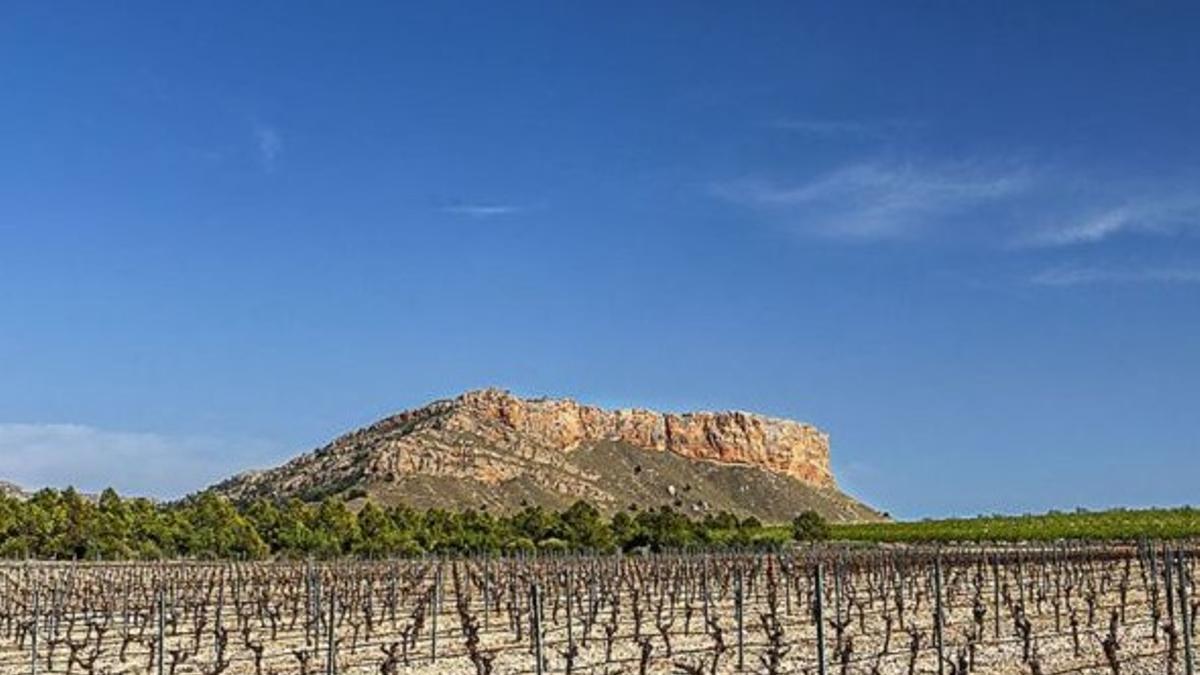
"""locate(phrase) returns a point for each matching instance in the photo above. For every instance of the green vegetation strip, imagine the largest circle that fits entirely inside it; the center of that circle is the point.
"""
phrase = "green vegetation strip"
(65, 525)
(1117, 524)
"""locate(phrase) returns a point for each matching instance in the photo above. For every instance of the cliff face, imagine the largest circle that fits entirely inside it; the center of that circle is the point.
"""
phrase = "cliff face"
(783, 446)
(490, 448)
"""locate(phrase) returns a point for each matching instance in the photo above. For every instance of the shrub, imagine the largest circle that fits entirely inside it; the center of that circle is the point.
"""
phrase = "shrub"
(810, 526)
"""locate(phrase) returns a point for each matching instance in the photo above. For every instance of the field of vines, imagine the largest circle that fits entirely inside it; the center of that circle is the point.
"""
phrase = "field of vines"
(1044, 610)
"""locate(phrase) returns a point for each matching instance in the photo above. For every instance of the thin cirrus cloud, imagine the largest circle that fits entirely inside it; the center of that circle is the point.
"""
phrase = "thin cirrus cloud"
(1016, 205)
(1161, 216)
(482, 210)
(269, 145)
(1093, 275)
(878, 201)
(135, 463)
(840, 128)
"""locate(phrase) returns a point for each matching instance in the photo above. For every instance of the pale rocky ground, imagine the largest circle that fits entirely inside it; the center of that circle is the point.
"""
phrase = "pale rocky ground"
(1003, 657)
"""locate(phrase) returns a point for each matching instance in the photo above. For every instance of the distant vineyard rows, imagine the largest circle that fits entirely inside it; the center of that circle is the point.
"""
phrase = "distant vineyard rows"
(1039, 610)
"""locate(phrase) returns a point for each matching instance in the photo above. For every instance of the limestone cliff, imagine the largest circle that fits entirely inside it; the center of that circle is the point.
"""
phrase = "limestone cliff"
(783, 446)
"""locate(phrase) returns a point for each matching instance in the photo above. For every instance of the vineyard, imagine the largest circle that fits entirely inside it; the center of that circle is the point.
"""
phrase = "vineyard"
(1114, 524)
(1015, 609)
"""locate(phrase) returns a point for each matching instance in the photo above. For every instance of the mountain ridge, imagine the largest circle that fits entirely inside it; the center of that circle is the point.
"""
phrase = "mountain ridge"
(490, 449)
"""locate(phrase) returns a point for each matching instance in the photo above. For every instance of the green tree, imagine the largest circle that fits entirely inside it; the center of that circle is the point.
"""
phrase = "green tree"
(219, 531)
(666, 529)
(335, 528)
(582, 528)
(810, 526)
(293, 530)
(110, 530)
(624, 530)
(378, 535)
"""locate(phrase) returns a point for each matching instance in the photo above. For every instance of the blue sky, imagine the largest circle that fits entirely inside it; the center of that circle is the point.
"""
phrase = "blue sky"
(964, 238)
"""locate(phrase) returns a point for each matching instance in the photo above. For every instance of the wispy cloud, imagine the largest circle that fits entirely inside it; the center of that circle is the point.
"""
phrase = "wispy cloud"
(1016, 204)
(1091, 275)
(1146, 215)
(482, 210)
(57, 455)
(874, 201)
(830, 128)
(269, 143)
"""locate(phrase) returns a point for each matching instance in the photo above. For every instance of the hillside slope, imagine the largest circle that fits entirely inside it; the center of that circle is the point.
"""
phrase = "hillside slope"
(490, 449)
(13, 490)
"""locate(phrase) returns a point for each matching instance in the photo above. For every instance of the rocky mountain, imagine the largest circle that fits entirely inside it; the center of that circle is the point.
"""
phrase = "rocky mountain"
(8, 489)
(490, 449)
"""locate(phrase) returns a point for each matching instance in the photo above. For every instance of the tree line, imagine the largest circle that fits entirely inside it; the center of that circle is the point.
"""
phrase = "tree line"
(66, 525)
(1107, 525)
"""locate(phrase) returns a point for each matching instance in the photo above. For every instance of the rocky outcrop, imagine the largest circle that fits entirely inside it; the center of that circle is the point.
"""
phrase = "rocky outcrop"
(783, 446)
(12, 490)
(517, 450)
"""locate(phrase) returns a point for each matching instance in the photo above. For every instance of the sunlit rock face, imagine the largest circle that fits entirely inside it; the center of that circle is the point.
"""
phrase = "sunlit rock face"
(783, 446)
